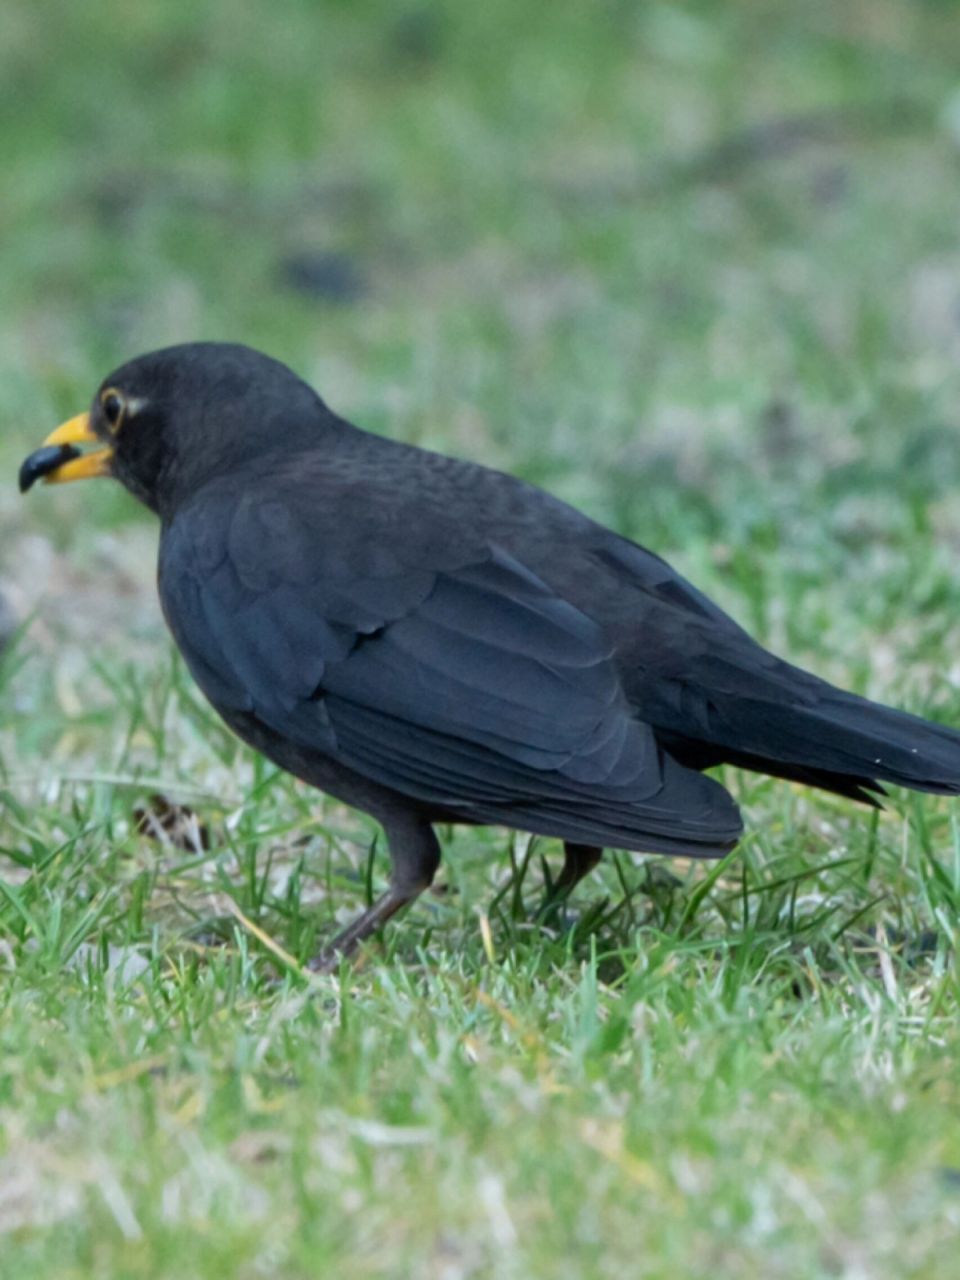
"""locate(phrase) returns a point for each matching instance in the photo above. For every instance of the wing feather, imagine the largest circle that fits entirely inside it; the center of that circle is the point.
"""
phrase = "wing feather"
(471, 686)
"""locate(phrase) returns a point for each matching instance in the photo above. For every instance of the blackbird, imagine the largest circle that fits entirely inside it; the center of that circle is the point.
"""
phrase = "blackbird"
(429, 640)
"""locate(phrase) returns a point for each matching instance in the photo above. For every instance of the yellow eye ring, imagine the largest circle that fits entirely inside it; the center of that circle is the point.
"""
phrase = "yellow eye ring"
(113, 405)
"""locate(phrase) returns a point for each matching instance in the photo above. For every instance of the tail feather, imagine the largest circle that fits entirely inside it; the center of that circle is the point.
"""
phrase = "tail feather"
(698, 755)
(850, 736)
(766, 715)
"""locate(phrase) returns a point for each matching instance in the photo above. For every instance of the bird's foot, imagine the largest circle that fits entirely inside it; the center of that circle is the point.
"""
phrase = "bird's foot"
(368, 922)
(552, 912)
(579, 860)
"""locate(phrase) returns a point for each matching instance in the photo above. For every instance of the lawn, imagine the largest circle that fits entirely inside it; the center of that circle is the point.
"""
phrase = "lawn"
(693, 267)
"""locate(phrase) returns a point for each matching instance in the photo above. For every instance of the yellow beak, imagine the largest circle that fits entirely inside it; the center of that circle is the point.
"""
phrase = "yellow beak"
(73, 432)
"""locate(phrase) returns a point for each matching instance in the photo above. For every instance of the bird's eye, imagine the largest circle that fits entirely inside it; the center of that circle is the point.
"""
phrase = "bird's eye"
(112, 403)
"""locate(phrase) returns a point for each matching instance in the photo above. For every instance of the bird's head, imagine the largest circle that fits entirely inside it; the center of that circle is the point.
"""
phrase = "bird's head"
(166, 422)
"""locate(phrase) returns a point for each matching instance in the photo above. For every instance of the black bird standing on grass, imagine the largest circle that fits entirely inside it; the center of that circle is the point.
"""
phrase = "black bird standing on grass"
(432, 641)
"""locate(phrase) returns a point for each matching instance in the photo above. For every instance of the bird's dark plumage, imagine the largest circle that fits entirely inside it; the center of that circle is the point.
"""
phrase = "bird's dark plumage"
(429, 639)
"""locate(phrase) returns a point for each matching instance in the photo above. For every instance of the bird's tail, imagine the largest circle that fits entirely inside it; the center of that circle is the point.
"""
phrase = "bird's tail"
(780, 720)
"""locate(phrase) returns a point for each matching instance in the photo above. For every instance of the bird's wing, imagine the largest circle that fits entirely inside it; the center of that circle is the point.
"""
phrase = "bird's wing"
(455, 676)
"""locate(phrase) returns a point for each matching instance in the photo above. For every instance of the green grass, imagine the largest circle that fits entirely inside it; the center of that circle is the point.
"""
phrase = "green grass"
(697, 269)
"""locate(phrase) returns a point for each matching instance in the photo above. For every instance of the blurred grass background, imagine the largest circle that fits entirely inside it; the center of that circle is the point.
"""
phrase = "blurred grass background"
(696, 268)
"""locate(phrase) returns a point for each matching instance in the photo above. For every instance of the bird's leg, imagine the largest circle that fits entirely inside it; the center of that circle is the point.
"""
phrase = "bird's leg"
(578, 861)
(414, 857)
